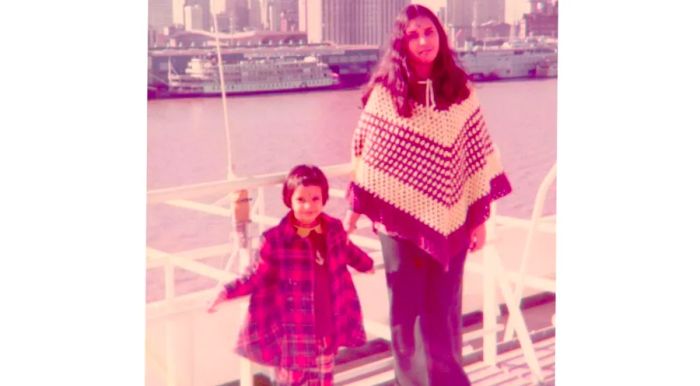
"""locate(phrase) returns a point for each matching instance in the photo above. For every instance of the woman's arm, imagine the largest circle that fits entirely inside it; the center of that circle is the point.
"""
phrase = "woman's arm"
(350, 221)
(478, 238)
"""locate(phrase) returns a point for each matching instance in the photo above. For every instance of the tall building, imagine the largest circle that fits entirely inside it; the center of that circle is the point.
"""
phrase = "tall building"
(340, 21)
(311, 20)
(515, 9)
(543, 20)
(268, 8)
(459, 19)
(276, 13)
(202, 17)
(160, 13)
(542, 7)
(349, 22)
(194, 17)
(377, 20)
(234, 17)
(491, 11)
(179, 12)
(464, 18)
(289, 13)
(254, 14)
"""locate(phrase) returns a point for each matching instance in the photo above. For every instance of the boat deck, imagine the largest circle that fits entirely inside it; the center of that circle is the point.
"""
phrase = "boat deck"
(188, 347)
(372, 365)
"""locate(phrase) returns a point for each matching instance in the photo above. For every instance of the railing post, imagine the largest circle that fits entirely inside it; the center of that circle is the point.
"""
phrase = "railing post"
(493, 275)
(169, 276)
(260, 201)
(489, 318)
(515, 314)
(245, 367)
(490, 315)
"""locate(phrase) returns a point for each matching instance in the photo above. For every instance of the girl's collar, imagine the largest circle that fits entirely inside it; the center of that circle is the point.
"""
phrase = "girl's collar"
(304, 230)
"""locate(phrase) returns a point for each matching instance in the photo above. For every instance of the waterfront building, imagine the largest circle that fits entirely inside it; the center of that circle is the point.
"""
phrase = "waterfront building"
(543, 19)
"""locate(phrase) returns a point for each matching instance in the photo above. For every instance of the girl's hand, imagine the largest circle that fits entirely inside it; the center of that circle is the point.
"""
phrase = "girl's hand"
(478, 238)
(214, 304)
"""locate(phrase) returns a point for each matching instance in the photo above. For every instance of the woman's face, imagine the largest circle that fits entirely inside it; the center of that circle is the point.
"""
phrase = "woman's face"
(422, 40)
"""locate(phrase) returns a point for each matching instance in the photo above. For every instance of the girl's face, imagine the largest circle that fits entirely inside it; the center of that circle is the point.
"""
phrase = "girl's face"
(422, 40)
(307, 203)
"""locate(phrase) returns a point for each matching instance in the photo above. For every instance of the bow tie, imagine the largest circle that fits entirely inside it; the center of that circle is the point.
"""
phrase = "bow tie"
(304, 231)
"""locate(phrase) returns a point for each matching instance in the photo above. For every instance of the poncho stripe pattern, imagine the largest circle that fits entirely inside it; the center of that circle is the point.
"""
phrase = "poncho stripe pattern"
(429, 178)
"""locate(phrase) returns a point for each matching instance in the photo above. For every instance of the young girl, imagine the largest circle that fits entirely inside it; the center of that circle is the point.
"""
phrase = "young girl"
(303, 303)
(425, 173)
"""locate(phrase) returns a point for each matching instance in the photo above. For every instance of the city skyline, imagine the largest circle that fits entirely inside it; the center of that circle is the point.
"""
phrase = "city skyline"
(362, 22)
(164, 13)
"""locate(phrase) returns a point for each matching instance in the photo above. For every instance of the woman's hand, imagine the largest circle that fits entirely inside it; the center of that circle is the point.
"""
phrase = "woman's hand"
(478, 238)
(350, 221)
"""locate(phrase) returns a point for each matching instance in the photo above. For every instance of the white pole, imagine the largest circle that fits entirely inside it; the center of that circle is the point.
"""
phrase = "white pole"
(222, 85)
(245, 366)
(170, 335)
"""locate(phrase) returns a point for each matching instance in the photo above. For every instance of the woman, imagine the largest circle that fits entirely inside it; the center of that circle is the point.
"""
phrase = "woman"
(425, 173)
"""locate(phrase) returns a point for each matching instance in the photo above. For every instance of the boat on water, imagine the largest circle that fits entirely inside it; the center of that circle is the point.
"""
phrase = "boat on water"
(546, 68)
(201, 76)
(504, 63)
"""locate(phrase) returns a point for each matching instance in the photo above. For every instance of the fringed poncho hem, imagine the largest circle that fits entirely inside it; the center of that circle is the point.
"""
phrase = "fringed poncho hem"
(399, 223)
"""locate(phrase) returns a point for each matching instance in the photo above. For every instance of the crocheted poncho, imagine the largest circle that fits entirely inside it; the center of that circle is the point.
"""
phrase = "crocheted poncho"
(429, 178)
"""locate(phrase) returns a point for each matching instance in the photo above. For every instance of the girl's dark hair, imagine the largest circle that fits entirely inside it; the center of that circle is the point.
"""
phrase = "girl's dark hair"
(449, 79)
(304, 175)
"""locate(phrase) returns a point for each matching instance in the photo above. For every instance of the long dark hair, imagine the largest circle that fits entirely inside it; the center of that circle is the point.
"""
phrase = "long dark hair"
(449, 79)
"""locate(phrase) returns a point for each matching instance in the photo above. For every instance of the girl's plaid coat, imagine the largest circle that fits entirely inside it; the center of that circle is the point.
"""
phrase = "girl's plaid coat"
(279, 328)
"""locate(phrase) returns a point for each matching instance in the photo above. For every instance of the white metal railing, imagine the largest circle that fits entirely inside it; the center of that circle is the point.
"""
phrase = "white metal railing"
(535, 220)
(495, 277)
(170, 305)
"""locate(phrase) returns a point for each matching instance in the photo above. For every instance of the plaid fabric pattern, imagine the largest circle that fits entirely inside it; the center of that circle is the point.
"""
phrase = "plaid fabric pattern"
(429, 178)
(321, 375)
(279, 328)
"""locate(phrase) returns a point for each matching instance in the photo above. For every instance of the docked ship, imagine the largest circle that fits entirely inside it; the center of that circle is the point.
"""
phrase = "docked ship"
(546, 68)
(201, 76)
(504, 63)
